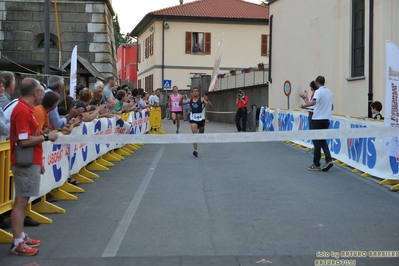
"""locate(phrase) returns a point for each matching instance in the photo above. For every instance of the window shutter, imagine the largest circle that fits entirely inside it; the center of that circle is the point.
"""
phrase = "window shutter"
(188, 42)
(152, 43)
(207, 43)
(264, 45)
(146, 48)
(139, 52)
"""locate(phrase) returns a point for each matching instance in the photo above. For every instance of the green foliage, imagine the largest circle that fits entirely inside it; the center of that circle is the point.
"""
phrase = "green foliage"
(119, 37)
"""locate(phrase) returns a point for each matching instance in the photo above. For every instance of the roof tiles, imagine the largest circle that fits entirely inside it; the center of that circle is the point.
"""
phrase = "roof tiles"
(217, 9)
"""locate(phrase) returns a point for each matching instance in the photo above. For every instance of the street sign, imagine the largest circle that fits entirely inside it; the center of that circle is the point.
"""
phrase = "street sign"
(287, 88)
(167, 84)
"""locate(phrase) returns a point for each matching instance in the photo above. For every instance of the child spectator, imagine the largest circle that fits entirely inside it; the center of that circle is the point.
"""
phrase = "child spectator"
(376, 108)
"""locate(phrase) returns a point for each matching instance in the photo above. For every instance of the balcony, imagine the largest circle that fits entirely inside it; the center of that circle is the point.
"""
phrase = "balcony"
(252, 78)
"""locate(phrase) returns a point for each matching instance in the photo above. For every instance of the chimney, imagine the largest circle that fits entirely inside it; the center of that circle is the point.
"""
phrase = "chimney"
(181, 2)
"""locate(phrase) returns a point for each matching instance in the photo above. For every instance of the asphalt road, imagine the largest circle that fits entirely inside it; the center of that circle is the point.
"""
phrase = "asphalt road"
(236, 204)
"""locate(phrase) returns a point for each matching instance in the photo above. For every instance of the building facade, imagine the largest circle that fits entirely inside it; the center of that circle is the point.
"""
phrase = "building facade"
(343, 40)
(166, 40)
(127, 63)
(85, 23)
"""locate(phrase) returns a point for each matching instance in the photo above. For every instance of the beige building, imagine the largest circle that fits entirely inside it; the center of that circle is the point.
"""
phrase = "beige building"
(337, 39)
(166, 39)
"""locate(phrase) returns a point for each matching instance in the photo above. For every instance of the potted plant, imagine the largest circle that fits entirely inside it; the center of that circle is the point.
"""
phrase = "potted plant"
(221, 75)
(233, 72)
(245, 70)
(261, 66)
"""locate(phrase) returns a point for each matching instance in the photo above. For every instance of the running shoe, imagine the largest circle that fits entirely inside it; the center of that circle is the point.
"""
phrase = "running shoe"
(174, 122)
(327, 166)
(195, 153)
(32, 242)
(313, 167)
(23, 249)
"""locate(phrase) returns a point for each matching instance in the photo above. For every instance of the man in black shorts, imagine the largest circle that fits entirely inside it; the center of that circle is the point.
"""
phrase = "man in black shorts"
(197, 114)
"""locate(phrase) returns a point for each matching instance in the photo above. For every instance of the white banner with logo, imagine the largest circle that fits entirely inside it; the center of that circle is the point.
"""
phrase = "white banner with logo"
(365, 154)
(63, 160)
(391, 100)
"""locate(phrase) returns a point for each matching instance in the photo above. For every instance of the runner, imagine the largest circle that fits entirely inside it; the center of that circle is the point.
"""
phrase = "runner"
(175, 108)
(197, 115)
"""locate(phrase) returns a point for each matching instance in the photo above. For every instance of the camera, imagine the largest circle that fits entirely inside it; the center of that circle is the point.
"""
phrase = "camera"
(239, 95)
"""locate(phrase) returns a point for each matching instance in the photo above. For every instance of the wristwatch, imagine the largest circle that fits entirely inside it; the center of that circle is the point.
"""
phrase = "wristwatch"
(45, 137)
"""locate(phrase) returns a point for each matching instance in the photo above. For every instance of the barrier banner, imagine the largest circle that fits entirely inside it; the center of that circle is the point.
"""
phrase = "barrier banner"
(366, 154)
(63, 160)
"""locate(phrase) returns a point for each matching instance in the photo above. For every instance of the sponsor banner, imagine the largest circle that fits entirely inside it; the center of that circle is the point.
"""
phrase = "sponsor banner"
(56, 161)
(391, 100)
(366, 154)
(63, 160)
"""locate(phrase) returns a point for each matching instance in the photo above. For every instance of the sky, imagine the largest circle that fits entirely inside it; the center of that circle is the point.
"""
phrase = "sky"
(131, 12)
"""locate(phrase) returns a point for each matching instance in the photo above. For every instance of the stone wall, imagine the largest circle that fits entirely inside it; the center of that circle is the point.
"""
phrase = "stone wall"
(87, 24)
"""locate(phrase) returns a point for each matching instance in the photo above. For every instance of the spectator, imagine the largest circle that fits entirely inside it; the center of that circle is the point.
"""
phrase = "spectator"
(322, 112)
(24, 131)
(4, 122)
(55, 84)
(186, 111)
(167, 110)
(108, 95)
(154, 98)
(141, 101)
(78, 89)
(65, 105)
(242, 105)
(9, 87)
(48, 104)
(196, 48)
(89, 113)
(122, 104)
(99, 87)
(376, 108)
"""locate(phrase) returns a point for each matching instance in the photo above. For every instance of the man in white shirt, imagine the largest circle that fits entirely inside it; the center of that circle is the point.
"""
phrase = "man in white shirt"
(323, 105)
(154, 98)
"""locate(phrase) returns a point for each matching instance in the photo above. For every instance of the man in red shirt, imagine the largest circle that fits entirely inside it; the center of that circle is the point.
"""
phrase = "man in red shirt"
(242, 104)
(25, 132)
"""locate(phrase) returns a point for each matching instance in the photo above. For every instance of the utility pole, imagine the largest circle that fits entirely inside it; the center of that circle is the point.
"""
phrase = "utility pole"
(47, 37)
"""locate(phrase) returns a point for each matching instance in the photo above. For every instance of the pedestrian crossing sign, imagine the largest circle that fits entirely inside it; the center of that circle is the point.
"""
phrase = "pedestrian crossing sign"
(167, 84)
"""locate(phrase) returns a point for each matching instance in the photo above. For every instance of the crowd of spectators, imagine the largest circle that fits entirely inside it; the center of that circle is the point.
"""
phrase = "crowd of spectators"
(60, 112)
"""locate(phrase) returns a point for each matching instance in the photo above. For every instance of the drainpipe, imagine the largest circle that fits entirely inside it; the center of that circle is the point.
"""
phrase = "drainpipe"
(371, 54)
(163, 57)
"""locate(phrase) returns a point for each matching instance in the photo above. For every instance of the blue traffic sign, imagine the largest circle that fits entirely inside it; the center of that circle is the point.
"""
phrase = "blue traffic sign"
(167, 84)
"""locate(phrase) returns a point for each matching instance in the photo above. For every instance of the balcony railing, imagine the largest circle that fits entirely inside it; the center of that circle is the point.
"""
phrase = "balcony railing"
(254, 77)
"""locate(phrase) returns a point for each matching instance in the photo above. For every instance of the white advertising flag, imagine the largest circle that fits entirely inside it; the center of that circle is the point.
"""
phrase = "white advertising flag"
(74, 68)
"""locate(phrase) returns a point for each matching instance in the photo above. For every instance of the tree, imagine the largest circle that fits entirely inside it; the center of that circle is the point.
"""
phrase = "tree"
(119, 37)
(117, 32)
(265, 2)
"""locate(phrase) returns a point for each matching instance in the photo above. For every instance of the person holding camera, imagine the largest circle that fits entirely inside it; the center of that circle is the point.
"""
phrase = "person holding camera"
(242, 104)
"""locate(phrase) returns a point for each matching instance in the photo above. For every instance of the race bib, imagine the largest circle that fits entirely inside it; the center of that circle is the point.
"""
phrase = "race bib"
(175, 104)
(197, 117)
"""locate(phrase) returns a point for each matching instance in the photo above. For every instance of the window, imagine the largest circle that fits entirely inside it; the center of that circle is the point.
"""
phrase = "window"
(358, 25)
(149, 83)
(52, 44)
(149, 45)
(264, 51)
(139, 83)
(198, 42)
